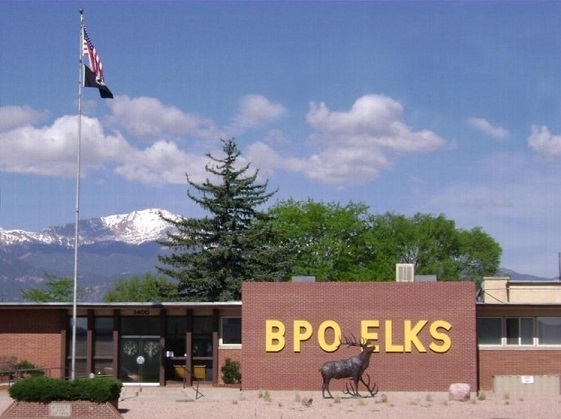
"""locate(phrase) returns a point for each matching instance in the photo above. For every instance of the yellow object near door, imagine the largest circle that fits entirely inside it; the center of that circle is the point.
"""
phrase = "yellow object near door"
(199, 371)
(180, 371)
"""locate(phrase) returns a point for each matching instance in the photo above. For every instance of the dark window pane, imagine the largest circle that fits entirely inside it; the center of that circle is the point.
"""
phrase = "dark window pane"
(489, 331)
(526, 331)
(512, 331)
(202, 325)
(549, 330)
(140, 325)
(231, 330)
(81, 336)
(103, 337)
(103, 367)
(176, 326)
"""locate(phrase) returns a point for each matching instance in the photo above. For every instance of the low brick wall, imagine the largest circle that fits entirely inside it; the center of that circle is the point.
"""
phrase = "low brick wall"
(516, 362)
(77, 410)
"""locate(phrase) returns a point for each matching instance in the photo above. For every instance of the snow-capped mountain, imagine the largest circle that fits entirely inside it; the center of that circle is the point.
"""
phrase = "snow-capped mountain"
(111, 248)
(134, 228)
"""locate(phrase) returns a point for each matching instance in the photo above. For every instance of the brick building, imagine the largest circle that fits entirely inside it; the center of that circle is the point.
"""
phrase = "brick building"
(110, 338)
(519, 330)
(427, 335)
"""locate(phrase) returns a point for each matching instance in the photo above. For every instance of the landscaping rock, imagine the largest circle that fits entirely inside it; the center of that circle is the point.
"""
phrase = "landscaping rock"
(459, 392)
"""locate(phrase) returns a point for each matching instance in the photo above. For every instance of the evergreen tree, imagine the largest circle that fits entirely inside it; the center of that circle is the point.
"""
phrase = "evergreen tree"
(214, 254)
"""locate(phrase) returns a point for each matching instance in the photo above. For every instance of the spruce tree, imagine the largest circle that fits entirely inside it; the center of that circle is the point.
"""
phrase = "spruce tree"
(212, 255)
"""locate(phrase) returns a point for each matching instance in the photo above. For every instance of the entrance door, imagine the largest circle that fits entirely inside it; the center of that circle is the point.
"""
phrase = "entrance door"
(140, 359)
(202, 351)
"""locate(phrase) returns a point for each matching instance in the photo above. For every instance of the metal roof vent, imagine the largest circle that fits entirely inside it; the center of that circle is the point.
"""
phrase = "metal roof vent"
(404, 272)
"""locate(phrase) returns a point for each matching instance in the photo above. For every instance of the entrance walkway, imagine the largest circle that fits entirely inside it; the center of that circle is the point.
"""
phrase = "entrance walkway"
(179, 394)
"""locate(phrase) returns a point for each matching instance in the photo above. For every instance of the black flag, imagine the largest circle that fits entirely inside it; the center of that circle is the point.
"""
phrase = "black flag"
(90, 80)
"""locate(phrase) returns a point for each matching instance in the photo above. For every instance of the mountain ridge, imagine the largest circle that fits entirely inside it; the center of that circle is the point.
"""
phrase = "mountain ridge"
(133, 228)
(111, 248)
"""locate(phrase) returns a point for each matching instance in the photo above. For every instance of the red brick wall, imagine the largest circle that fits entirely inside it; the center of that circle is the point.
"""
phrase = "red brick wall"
(516, 362)
(347, 304)
(79, 410)
(33, 335)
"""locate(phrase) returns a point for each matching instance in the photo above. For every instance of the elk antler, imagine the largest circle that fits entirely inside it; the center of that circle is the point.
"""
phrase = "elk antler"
(352, 342)
(352, 391)
(372, 389)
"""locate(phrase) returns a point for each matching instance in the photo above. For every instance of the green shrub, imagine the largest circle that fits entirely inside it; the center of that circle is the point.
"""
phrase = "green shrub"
(231, 372)
(27, 369)
(46, 389)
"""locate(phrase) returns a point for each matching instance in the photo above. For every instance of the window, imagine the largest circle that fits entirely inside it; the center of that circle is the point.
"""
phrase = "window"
(176, 335)
(519, 331)
(549, 330)
(489, 331)
(141, 325)
(81, 346)
(103, 340)
(231, 331)
(81, 336)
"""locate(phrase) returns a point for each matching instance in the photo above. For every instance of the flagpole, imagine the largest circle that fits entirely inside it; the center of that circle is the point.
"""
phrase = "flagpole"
(77, 220)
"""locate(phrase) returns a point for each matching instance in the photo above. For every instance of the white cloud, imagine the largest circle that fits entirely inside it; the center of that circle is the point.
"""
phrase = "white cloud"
(543, 142)
(485, 127)
(150, 119)
(263, 157)
(163, 163)
(51, 150)
(255, 111)
(352, 146)
(17, 116)
(277, 136)
(361, 142)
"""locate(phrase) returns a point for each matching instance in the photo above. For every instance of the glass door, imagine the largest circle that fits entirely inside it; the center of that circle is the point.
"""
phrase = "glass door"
(202, 351)
(140, 359)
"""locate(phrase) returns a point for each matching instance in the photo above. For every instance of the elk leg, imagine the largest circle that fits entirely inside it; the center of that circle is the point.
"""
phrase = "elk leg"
(355, 381)
(324, 387)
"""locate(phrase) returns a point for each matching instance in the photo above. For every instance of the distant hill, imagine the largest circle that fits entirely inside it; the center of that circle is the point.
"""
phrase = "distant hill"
(111, 248)
(515, 276)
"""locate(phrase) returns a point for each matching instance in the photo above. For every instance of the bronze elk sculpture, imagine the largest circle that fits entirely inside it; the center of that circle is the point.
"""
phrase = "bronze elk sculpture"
(352, 368)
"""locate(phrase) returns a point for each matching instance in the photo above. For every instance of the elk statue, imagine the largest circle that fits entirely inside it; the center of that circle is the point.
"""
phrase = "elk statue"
(351, 368)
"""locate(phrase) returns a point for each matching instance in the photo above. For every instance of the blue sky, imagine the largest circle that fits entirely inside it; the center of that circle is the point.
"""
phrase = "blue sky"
(446, 108)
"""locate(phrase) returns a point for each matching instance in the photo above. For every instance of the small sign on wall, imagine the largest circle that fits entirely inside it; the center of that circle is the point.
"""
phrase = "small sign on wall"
(60, 410)
(527, 379)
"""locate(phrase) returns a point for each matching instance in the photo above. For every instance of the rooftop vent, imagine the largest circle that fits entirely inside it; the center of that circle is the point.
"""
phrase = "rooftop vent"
(302, 278)
(404, 272)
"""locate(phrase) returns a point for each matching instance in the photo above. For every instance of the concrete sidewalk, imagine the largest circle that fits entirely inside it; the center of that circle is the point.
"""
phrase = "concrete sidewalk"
(178, 393)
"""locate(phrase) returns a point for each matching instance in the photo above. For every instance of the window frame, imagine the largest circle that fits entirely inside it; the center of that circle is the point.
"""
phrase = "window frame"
(520, 331)
(537, 334)
(221, 343)
(501, 326)
(504, 343)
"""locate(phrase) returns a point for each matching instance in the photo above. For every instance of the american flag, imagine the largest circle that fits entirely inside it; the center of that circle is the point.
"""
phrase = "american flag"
(89, 50)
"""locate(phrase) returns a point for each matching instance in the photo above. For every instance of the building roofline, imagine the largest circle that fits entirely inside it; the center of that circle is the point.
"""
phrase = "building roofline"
(181, 304)
(518, 305)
